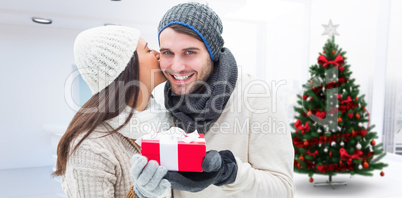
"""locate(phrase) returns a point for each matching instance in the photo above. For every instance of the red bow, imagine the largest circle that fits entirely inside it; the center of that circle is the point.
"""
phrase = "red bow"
(315, 154)
(347, 100)
(324, 62)
(346, 157)
(304, 128)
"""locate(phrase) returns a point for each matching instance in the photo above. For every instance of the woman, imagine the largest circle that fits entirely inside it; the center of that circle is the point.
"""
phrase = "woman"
(95, 155)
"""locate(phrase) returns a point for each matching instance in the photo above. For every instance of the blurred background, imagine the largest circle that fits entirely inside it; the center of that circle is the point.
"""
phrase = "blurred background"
(275, 40)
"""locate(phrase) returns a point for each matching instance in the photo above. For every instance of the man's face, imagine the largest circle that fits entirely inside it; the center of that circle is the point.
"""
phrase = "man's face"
(184, 60)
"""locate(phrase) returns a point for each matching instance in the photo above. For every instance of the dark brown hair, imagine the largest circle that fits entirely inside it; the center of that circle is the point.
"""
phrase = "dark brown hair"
(185, 30)
(102, 106)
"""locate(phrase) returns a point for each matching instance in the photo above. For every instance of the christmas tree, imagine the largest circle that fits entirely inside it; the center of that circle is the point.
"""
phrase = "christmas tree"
(332, 132)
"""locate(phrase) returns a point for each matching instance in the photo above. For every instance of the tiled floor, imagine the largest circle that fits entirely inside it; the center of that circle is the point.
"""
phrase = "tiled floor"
(29, 183)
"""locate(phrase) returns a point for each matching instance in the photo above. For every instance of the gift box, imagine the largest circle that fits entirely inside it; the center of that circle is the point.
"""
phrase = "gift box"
(176, 151)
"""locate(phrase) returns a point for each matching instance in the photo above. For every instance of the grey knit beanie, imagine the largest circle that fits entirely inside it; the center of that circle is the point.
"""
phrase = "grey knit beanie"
(201, 19)
(103, 53)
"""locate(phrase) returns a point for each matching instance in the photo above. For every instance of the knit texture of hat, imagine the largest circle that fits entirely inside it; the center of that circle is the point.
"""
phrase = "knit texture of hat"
(201, 19)
(103, 53)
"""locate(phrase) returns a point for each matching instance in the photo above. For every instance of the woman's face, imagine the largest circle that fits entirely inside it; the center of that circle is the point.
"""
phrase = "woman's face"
(150, 72)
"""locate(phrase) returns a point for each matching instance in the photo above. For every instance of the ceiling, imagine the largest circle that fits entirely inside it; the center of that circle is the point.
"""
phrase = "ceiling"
(83, 14)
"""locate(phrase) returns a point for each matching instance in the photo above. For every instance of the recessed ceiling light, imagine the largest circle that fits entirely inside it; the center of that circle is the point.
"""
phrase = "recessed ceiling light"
(41, 20)
(106, 24)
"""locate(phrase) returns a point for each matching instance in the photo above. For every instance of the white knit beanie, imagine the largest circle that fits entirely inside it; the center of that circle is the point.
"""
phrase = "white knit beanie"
(102, 54)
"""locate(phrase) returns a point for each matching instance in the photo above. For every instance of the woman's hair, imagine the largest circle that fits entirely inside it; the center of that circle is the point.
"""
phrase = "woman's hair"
(185, 30)
(102, 106)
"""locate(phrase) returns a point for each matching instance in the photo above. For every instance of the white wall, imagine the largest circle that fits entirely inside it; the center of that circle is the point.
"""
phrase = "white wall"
(293, 38)
(275, 40)
(35, 61)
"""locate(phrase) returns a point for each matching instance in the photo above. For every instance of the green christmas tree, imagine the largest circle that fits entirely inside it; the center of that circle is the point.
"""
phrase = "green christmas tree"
(332, 133)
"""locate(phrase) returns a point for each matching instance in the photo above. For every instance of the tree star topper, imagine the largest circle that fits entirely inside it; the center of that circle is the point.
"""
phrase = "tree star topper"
(330, 29)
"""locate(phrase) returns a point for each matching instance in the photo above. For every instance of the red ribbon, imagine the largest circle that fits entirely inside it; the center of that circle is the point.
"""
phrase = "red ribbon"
(302, 128)
(346, 157)
(324, 62)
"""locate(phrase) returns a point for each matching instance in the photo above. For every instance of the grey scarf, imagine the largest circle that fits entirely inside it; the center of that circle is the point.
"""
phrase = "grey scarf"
(201, 110)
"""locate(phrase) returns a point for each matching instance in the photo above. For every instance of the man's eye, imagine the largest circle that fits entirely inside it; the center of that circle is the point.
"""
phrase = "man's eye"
(190, 52)
(167, 53)
(149, 51)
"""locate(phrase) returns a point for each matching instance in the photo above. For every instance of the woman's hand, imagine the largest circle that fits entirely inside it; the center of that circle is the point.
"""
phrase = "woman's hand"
(148, 177)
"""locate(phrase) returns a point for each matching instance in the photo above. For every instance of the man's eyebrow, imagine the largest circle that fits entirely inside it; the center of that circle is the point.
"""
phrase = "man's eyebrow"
(185, 49)
(191, 48)
(146, 44)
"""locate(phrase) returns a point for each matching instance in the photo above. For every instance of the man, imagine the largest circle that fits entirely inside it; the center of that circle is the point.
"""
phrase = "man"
(205, 92)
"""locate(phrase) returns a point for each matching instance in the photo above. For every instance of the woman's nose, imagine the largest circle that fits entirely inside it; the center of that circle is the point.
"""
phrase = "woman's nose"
(156, 54)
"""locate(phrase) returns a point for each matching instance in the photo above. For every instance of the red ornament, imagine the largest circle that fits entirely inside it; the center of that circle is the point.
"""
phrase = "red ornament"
(333, 52)
(301, 158)
(323, 52)
(320, 115)
(311, 180)
(372, 143)
(357, 116)
(382, 174)
(350, 115)
(357, 98)
(353, 133)
(311, 97)
(309, 113)
(298, 165)
(341, 69)
(304, 97)
(306, 143)
(339, 119)
(365, 165)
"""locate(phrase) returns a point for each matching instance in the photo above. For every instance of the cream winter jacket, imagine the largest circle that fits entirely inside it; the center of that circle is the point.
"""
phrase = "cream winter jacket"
(255, 128)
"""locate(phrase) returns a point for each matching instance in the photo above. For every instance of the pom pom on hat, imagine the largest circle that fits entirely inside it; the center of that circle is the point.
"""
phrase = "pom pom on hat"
(103, 53)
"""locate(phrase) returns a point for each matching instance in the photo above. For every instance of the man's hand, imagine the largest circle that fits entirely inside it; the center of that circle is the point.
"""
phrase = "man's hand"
(219, 168)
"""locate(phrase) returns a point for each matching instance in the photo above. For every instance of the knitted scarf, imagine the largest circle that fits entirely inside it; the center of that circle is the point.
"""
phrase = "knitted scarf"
(201, 110)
